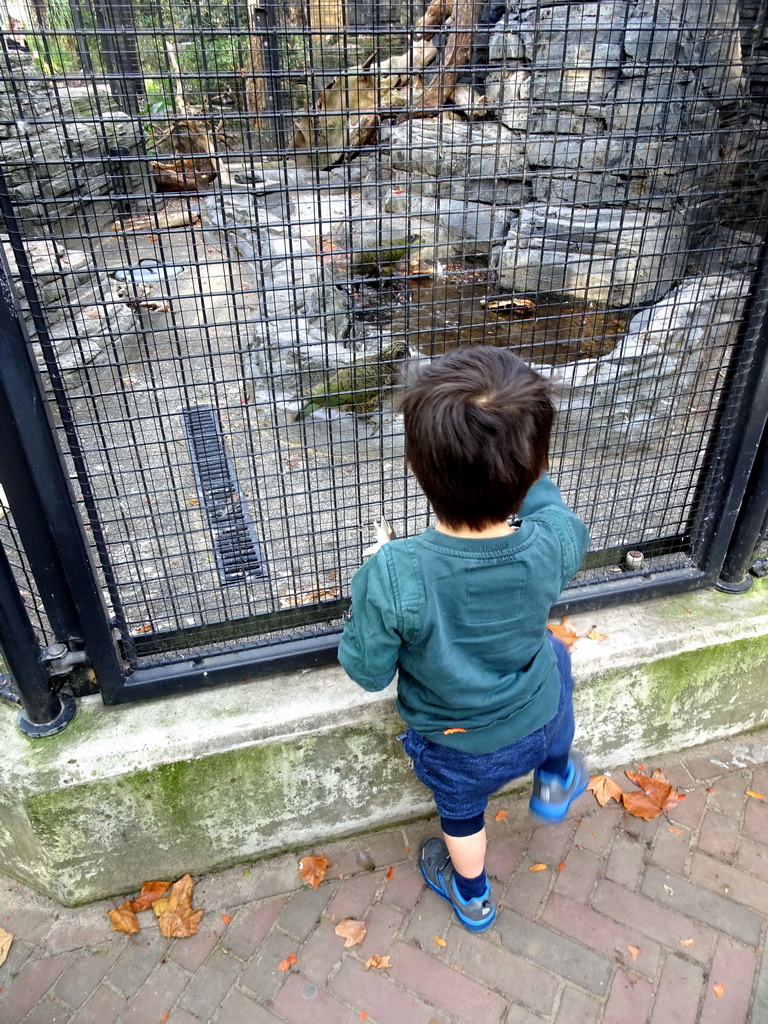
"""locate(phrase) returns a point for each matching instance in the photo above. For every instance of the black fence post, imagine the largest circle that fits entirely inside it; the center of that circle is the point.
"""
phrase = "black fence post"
(44, 711)
(735, 576)
(43, 504)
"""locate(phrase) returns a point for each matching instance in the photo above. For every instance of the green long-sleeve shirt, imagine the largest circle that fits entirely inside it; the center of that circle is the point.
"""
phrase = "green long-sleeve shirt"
(464, 623)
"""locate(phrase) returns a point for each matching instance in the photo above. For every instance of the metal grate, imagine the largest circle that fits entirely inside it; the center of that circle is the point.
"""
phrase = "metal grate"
(238, 555)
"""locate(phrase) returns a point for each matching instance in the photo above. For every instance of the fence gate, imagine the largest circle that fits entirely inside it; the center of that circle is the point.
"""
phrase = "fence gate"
(228, 227)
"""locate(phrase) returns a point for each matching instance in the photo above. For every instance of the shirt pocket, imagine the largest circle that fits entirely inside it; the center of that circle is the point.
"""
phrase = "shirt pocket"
(494, 594)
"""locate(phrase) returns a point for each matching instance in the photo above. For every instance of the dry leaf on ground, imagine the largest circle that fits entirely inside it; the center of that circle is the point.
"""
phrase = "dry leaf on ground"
(351, 930)
(500, 815)
(538, 867)
(656, 788)
(564, 630)
(605, 789)
(757, 796)
(287, 964)
(594, 634)
(124, 919)
(150, 892)
(439, 941)
(379, 962)
(639, 805)
(312, 869)
(5, 944)
(175, 917)
(634, 952)
(718, 990)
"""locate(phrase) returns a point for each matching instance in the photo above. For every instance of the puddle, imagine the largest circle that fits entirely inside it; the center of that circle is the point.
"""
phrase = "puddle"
(437, 314)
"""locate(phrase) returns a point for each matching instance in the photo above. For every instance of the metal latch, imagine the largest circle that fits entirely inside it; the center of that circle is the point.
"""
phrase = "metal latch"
(61, 660)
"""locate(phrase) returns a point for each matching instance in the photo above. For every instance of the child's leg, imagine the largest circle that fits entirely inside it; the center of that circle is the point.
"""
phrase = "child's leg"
(467, 853)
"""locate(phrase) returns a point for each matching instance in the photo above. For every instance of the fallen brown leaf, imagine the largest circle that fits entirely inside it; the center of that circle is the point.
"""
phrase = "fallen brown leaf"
(538, 867)
(718, 990)
(593, 634)
(605, 789)
(757, 796)
(639, 805)
(686, 942)
(634, 951)
(500, 815)
(564, 631)
(439, 941)
(561, 866)
(390, 872)
(124, 919)
(5, 944)
(287, 964)
(378, 962)
(656, 788)
(150, 892)
(351, 930)
(175, 917)
(312, 869)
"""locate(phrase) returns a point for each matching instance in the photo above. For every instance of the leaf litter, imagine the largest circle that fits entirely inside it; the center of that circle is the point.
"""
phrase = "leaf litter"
(656, 794)
(313, 868)
(351, 930)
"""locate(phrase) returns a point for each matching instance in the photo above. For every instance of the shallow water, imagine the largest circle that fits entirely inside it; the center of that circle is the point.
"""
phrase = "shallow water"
(437, 314)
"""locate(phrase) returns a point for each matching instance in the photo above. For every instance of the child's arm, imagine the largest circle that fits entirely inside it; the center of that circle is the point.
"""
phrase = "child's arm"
(370, 642)
(544, 496)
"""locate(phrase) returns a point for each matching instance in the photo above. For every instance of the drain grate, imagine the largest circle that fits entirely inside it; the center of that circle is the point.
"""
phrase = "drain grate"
(238, 555)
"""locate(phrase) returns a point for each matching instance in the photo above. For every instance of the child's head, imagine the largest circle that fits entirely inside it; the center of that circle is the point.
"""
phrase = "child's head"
(477, 428)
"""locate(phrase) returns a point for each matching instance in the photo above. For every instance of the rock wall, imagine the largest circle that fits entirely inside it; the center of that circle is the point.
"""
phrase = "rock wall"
(67, 155)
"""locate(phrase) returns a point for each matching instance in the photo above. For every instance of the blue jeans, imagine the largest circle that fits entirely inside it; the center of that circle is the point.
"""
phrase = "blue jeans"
(461, 782)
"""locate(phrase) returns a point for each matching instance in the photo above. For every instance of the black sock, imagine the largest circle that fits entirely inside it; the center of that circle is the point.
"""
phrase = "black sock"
(471, 888)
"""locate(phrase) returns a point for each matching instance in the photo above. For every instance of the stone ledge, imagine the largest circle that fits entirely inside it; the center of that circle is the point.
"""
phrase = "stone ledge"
(209, 779)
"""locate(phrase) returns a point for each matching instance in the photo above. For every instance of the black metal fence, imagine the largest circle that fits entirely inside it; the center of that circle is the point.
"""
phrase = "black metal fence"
(226, 228)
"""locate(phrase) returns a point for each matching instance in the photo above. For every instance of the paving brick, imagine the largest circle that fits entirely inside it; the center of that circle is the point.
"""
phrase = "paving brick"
(756, 821)
(730, 880)
(679, 993)
(303, 910)
(179, 1015)
(576, 1007)
(578, 877)
(519, 1015)
(503, 855)
(708, 763)
(211, 984)
(672, 848)
(752, 857)
(600, 933)
(550, 843)
(104, 1007)
(629, 1001)
(719, 836)
(27, 924)
(251, 925)
(689, 813)
(48, 1011)
(729, 794)
(648, 917)
(191, 953)
(438, 983)
(73, 929)
(375, 993)
(321, 953)
(353, 898)
(383, 849)
(595, 832)
(21, 993)
(702, 905)
(641, 829)
(518, 980)
(157, 996)
(430, 917)
(555, 952)
(626, 862)
(301, 1002)
(239, 1009)
(142, 954)
(84, 974)
(734, 968)
(19, 953)
(226, 890)
(528, 890)
(404, 887)
(262, 975)
(383, 924)
(759, 1009)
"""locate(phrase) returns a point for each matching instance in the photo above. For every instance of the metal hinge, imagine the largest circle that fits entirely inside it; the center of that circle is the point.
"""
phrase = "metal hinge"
(61, 660)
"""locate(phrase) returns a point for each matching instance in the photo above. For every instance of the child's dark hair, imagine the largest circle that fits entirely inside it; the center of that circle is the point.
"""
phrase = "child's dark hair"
(477, 427)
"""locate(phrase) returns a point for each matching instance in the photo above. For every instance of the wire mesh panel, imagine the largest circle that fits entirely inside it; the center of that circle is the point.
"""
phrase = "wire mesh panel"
(233, 225)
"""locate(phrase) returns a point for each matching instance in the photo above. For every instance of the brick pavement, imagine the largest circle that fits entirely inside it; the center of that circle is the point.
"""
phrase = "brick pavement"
(632, 922)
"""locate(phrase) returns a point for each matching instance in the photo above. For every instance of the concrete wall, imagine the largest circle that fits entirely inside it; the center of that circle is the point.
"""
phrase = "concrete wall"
(214, 778)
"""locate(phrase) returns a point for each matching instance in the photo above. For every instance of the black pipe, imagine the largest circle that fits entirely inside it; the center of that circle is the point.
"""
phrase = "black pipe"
(44, 712)
(735, 577)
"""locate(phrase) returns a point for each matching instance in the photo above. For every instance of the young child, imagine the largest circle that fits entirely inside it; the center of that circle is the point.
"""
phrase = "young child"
(460, 611)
